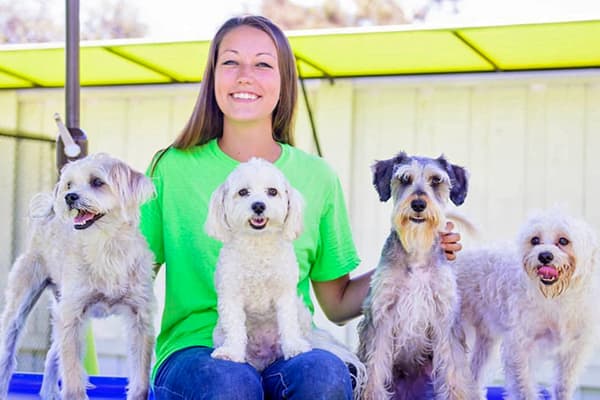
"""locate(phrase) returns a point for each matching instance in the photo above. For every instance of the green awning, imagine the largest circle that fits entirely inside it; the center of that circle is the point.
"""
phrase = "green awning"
(356, 52)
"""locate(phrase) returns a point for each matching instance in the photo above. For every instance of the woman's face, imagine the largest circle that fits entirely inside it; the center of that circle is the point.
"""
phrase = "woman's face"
(247, 79)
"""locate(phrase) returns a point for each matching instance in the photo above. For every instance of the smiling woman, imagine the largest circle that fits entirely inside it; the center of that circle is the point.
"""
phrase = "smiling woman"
(245, 109)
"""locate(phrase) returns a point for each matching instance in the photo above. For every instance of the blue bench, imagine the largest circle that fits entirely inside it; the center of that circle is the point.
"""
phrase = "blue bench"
(26, 386)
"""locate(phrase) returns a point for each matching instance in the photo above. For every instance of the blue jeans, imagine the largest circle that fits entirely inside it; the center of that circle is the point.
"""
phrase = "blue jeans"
(192, 373)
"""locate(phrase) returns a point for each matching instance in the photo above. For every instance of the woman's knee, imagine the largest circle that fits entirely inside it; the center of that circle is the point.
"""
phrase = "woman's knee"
(317, 374)
(327, 378)
(193, 374)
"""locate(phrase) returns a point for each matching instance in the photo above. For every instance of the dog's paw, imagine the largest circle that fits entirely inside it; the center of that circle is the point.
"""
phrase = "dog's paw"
(50, 395)
(74, 395)
(294, 347)
(137, 394)
(228, 353)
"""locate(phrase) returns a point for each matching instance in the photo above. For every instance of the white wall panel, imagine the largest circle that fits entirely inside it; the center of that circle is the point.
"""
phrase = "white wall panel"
(591, 154)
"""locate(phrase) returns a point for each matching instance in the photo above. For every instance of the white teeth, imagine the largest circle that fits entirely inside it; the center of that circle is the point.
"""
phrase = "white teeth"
(245, 96)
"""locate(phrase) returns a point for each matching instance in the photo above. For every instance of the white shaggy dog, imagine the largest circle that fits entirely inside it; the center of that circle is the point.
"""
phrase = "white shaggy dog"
(257, 215)
(536, 298)
(85, 245)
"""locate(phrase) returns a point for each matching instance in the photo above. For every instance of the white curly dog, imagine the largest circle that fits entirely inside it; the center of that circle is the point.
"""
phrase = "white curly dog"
(257, 214)
(86, 247)
(536, 298)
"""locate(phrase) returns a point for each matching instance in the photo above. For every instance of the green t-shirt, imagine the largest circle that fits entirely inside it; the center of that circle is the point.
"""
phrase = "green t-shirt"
(173, 224)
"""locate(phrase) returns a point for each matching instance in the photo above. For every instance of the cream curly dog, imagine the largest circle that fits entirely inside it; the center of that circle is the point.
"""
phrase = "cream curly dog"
(536, 298)
(410, 339)
(86, 247)
(257, 214)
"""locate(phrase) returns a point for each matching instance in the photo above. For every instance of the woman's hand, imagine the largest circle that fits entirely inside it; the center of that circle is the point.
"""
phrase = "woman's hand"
(450, 241)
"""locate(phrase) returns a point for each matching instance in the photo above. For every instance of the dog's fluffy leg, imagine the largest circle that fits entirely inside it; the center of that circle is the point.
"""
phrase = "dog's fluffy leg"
(515, 357)
(141, 342)
(451, 375)
(376, 354)
(482, 348)
(50, 389)
(26, 282)
(232, 322)
(70, 333)
(570, 363)
(292, 342)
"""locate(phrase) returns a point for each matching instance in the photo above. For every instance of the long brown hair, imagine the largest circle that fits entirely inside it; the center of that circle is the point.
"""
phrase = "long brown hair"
(206, 121)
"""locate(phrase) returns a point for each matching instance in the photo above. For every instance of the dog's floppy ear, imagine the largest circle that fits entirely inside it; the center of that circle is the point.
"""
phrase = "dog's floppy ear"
(459, 180)
(383, 171)
(587, 247)
(134, 187)
(216, 224)
(293, 223)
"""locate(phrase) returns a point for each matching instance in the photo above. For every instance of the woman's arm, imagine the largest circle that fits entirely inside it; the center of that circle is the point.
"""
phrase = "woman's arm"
(341, 299)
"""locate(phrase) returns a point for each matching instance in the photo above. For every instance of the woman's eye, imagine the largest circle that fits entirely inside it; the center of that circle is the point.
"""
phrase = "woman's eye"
(535, 240)
(563, 241)
(243, 192)
(229, 62)
(263, 65)
(272, 192)
(97, 182)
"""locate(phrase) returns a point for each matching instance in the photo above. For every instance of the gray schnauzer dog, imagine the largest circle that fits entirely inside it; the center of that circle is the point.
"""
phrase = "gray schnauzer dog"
(410, 339)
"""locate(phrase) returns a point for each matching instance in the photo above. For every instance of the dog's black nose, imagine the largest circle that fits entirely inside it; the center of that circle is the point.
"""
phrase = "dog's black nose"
(258, 207)
(418, 205)
(545, 257)
(71, 198)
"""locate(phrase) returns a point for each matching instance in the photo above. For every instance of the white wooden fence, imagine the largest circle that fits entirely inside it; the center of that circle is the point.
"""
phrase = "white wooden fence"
(529, 140)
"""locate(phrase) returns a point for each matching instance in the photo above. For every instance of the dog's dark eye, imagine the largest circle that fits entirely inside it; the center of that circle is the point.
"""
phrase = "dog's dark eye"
(535, 240)
(563, 241)
(436, 180)
(243, 192)
(405, 179)
(96, 182)
(272, 192)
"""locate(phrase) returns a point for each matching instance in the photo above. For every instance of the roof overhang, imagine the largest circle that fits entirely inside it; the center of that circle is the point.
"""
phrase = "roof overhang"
(357, 52)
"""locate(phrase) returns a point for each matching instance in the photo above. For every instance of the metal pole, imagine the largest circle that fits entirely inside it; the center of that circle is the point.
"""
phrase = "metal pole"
(72, 62)
(71, 87)
(309, 111)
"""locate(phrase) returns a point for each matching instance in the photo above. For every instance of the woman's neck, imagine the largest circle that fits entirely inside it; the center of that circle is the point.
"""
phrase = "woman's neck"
(243, 144)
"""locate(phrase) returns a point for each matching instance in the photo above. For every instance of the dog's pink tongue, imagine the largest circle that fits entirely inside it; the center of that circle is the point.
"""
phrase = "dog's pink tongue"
(83, 218)
(547, 271)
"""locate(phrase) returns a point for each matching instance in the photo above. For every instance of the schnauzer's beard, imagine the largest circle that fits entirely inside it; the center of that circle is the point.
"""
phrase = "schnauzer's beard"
(415, 236)
(565, 267)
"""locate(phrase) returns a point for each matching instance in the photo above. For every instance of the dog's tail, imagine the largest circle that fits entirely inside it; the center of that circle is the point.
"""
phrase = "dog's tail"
(41, 206)
(463, 222)
(322, 339)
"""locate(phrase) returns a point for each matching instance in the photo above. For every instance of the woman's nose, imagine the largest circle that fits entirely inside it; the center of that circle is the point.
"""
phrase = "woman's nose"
(245, 74)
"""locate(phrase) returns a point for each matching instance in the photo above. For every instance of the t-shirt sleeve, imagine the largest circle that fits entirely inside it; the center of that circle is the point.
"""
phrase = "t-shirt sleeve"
(336, 255)
(151, 223)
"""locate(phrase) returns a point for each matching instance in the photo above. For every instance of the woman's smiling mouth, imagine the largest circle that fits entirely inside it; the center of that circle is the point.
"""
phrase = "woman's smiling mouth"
(244, 96)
